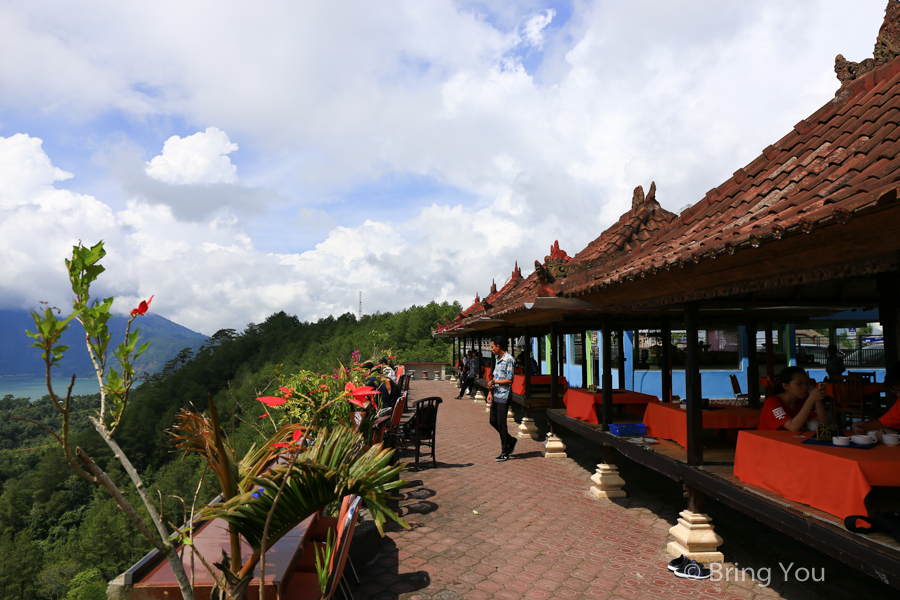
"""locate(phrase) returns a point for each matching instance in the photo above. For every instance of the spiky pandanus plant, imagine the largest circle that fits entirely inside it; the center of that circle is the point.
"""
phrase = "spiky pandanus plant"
(279, 484)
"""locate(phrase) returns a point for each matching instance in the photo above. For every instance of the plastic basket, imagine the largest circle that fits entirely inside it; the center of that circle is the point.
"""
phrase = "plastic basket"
(628, 429)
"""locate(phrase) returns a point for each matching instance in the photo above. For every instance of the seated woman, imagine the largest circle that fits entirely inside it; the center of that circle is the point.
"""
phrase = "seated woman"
(793, 407)
(891, 419)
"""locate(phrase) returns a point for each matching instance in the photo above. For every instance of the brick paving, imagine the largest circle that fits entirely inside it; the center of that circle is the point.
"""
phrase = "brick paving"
(529, 528)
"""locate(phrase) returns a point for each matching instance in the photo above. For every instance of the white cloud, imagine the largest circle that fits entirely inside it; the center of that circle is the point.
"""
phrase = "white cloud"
(327, 100)
(534, 28)
(198, 158)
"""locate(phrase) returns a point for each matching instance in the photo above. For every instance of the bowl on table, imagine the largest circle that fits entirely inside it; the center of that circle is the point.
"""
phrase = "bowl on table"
(812, 425)
(840, 441)
(891, 439)
(861, 440)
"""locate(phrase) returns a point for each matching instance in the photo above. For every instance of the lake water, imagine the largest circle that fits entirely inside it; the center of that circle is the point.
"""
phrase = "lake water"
(21, 387)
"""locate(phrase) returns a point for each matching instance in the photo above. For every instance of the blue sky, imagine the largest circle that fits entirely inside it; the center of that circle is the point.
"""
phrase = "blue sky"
(242, 161)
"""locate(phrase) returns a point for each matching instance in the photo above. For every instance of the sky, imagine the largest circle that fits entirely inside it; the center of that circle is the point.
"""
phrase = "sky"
(238, 159)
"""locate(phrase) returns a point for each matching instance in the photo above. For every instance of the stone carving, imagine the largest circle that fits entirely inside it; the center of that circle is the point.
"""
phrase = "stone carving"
(848, 70)
(556, 264)
(887, 47)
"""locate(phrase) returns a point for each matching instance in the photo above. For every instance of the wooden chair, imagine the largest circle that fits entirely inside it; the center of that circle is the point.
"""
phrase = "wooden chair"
(740, 398)
(304, 582)
(385, 425)
(848, 399)
(419, 430)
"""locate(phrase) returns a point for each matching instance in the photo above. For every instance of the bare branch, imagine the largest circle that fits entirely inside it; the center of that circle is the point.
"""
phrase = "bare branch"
(38, 423)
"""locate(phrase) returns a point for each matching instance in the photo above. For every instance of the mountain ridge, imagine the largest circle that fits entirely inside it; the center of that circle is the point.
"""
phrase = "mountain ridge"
(166, 338)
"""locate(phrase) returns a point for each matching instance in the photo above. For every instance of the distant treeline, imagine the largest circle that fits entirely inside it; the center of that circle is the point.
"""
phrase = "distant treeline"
(62, 538)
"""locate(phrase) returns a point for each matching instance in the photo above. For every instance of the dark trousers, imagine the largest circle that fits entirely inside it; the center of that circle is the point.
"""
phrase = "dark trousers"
(498, 422)
(467, 383)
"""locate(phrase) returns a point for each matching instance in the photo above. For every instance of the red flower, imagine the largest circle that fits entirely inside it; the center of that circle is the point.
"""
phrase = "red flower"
(288, 392)
(272, 400)
(358, 394)
(298, 433)
(264, 415)
(142, 307)
(280, 445)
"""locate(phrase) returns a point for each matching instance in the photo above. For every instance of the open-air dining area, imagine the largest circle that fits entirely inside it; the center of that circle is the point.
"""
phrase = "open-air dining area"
(704, 310)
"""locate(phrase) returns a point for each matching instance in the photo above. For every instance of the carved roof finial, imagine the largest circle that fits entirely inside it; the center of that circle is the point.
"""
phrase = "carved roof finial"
(651, 195)
(638, 197)
(493, 288)
(887, 47)
(477, 299)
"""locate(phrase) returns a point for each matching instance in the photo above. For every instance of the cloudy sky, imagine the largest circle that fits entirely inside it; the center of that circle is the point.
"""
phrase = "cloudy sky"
(242, 159)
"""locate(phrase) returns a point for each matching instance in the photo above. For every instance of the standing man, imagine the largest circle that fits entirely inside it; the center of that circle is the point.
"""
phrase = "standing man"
(472, 367)
(498, 395)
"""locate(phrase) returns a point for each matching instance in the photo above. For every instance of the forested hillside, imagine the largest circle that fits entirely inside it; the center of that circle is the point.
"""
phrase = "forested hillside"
(62, 538)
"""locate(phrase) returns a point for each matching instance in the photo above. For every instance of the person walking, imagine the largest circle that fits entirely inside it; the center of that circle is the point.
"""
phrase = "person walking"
(498, 395)
(472, 367)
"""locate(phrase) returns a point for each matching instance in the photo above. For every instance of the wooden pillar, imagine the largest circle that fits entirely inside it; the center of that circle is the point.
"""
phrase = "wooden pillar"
(750, 329)
(770, 352)
(554, 364)
(528, 372)
(585, 340)
(665, 364)
(561, 355)
(693, 389)
(606, 349)
(887, 289)
(621, 357)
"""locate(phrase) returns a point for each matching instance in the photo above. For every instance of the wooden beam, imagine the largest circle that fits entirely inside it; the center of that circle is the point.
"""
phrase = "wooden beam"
(606, 350)
(665, 365)
(585, 340)
(888, 288)
(554, 366)
(752, 363)
(620, 333)
(693, 389)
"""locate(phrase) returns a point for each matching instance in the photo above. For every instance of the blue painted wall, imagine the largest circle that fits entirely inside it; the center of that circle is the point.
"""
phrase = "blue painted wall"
(714, 383)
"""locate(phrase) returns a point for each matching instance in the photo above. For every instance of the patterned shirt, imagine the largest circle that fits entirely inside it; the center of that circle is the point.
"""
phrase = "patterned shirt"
(503, 370)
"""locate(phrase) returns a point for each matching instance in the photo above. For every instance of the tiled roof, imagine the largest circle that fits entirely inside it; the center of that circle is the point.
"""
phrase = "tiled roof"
(841, 161)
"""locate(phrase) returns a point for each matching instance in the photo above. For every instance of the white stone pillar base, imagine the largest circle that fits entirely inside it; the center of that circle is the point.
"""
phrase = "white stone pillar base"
(453, 378)
(479, 395)
(607, 482)
(527, 429)
(510, 417)
(554, 447)
(695, 538)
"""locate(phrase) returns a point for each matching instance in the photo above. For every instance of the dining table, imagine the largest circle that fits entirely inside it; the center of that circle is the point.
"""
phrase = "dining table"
(518, 385)
(667, 420)
(833, 479)
(580, 402)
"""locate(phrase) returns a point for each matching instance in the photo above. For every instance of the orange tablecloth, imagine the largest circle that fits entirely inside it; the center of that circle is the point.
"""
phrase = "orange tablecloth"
(518, 386)
(668, 421)
(580, 403)
(834, 480)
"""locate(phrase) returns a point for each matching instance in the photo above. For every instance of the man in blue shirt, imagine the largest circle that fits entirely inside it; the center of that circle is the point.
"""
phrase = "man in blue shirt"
(498, 395)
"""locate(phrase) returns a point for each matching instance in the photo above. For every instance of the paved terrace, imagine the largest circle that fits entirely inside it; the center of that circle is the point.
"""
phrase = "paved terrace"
(529, 528)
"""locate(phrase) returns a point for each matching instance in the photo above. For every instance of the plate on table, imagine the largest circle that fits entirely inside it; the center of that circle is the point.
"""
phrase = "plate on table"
(644, 440)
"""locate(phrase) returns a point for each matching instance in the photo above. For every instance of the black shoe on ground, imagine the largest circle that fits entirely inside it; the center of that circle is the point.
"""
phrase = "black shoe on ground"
(693, 570)
(502, 458)
(511, 448)
(678, 563)
(458, 398)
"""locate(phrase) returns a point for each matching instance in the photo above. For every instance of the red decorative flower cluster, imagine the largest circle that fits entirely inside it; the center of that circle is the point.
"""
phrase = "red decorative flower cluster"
(142, 307)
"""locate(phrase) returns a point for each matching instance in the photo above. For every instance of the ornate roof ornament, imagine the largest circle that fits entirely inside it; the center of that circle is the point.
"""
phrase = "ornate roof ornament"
(493, 288)
(556, 264)
(887, 47)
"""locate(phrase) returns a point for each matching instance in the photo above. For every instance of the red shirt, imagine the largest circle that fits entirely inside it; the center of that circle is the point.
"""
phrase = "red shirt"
(775, 413)
(892, 417)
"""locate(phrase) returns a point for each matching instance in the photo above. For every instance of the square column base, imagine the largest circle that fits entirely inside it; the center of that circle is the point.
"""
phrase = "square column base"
(695, 538)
